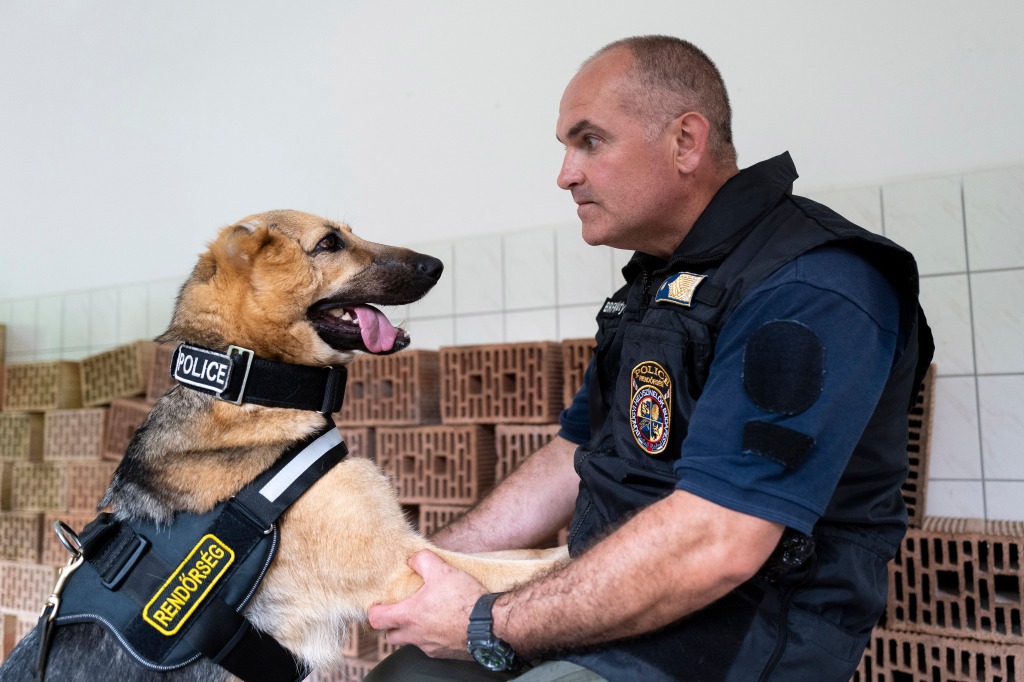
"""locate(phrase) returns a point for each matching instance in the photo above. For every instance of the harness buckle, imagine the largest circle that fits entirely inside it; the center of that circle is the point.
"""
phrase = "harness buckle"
(232, 351)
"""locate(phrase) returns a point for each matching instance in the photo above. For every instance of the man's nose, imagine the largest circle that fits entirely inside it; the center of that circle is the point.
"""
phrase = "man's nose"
(569, 175)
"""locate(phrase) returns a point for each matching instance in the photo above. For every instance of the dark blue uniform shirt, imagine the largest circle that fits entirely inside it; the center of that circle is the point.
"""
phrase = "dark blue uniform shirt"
(854, 312)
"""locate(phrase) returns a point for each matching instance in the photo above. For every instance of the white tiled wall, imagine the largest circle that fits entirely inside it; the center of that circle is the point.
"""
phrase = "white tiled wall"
(546, 284)
(967, 233)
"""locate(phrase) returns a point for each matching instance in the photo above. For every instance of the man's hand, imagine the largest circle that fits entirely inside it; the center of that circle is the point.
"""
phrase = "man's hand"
(435, 618)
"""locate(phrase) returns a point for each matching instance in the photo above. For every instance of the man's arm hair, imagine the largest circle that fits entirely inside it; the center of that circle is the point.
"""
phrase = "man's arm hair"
(674, 557)
(527, 508)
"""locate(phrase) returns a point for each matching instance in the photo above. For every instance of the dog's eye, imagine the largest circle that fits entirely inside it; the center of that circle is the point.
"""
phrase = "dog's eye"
(329, 242)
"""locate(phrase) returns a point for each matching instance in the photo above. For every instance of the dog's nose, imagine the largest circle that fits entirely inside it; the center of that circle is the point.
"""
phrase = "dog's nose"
(429, 266)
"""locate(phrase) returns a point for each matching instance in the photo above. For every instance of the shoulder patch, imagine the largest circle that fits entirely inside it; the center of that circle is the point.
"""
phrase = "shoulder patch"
(784, 367)
(679, 288)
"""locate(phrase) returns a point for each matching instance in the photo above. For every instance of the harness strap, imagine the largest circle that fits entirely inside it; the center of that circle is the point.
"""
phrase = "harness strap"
(232, 642)
(125, 561)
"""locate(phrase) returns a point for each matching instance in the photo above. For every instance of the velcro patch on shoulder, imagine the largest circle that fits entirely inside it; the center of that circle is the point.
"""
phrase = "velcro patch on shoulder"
(784, 367)
(777, 443)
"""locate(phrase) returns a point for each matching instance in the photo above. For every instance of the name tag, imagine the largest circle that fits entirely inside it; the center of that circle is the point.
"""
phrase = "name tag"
(203, 368)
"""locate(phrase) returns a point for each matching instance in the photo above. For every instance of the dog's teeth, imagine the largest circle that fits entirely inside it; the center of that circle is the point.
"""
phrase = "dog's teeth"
(343, 314)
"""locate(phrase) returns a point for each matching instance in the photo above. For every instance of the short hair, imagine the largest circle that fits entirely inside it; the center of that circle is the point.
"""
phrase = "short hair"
(673, 76)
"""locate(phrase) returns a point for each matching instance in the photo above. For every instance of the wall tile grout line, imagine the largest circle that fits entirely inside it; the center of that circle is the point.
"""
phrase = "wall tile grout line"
(974, 351)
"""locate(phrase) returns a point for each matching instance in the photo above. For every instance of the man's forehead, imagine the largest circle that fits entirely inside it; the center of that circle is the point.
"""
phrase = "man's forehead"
(590, 95)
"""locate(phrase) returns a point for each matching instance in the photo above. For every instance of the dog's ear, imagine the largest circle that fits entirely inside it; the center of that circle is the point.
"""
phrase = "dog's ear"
(237, 245)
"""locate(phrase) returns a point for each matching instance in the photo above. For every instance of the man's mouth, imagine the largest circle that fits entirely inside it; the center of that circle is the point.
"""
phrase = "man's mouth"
(352, 326)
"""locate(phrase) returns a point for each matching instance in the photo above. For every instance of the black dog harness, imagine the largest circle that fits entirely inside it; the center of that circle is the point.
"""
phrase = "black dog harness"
(170, 594)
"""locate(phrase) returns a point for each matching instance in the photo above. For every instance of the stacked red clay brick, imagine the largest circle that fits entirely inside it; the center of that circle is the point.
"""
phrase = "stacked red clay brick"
(63, 428)
(954, 609)
(447, 425)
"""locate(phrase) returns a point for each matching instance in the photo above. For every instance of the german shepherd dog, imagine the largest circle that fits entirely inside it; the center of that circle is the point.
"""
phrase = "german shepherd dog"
(298, 289)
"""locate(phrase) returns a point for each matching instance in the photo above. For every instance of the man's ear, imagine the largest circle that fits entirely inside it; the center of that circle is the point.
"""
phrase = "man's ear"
(691, 131)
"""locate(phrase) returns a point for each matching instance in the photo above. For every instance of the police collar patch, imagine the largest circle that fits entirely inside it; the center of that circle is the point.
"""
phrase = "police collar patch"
(650, 406)
(679, 288)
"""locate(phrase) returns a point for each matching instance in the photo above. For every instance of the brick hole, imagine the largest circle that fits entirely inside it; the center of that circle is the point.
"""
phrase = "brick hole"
(509, 382)
(1015, 626)
(898, 676)
(983, 594)
(969, 576)
(409, 465)
(997, 555)
(1007, 588)
(947, 583)
(983, 556)
(1014, 557)
(475, 384)
(387, 389)
(356, 390)
(440, 465)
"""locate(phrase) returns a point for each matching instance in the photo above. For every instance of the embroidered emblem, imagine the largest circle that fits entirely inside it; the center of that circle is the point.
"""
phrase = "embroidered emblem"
(202, 368)
(679, 288)
(650, 406)
(188, 585)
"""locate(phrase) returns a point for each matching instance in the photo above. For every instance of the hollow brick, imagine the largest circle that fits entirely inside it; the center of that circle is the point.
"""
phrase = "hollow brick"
(121, 372)
(505, 383)
(959, 578)
(443, 464)
(576, 356)
(74, 434)
(40, 386)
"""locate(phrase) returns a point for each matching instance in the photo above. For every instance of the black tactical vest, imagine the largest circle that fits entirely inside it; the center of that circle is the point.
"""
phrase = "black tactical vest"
(752, 227)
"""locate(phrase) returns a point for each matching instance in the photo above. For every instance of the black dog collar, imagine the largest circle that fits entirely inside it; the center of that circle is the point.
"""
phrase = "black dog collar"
(240, 376)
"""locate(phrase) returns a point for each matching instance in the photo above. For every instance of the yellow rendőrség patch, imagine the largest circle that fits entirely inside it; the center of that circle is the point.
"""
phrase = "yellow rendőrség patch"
(188, 585)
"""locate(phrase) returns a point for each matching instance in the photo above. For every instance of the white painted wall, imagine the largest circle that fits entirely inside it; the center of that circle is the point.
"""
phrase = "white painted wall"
(130, 131)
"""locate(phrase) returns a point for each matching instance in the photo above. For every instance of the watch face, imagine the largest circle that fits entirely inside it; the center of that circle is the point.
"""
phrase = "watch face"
(490, 659)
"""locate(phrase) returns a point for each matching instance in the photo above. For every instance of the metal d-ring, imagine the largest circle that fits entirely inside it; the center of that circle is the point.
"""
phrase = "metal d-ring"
(68, 538)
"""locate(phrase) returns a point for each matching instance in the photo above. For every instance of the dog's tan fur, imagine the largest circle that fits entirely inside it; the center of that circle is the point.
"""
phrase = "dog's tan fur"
(345, 543)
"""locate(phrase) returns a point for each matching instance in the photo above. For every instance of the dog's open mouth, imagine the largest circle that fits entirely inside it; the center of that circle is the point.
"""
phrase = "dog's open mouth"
(357, 327)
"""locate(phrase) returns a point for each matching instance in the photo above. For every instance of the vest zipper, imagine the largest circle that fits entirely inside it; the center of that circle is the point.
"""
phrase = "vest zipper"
(783, 637)
(645, 294)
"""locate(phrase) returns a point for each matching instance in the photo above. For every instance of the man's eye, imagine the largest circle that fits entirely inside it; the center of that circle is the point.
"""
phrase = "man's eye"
(591, 141)
(329, 242)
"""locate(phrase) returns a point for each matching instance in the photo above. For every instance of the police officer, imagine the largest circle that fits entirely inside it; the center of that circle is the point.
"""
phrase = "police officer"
(732, 466)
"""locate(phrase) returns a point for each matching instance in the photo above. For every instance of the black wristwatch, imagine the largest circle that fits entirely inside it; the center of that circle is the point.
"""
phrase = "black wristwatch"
(489, 651)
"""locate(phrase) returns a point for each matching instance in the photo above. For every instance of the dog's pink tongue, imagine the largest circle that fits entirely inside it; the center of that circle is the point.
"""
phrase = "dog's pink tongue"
(378, 333)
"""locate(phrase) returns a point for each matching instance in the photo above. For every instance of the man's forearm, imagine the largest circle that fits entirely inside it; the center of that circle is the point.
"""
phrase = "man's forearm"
(528, 507)
(674, 557)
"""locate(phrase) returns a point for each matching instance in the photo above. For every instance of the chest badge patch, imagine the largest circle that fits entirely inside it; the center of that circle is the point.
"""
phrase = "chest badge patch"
(650, 406)
(679, 288)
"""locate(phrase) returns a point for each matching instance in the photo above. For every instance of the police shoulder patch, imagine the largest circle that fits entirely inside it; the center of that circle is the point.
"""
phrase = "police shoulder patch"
(650, 406)
(679, 288)
(187, 587)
